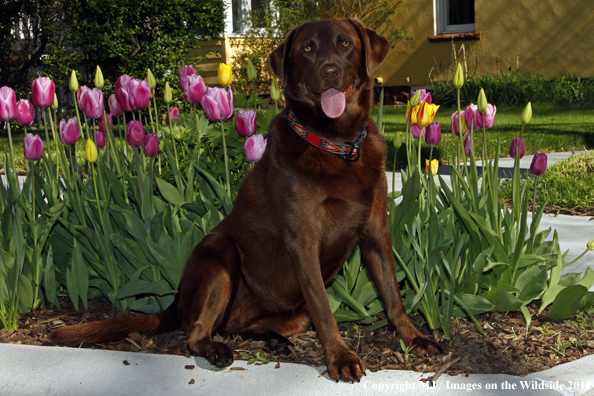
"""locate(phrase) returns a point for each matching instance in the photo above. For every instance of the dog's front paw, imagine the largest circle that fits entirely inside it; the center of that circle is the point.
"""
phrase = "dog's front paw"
(345, 365)
(425, 347)
(217, 353)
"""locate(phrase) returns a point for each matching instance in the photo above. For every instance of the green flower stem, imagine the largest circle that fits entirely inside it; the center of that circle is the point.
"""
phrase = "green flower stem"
(138, 176)
(58, 155)
(430, 177)
(577, 258)
(49, 149)
(534, 196)
(408, 152)
(32, 168)
(394, 170)
(157, 126)
(171, 130)
(77, 114)
(151, 164)
(419, 159)
(11, 148)
(226, 159)
(97, 197)
(111, 139)
(460, 143)
(75, 183)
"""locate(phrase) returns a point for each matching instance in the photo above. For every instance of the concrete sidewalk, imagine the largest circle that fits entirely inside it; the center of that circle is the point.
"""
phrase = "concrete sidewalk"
(31, 370)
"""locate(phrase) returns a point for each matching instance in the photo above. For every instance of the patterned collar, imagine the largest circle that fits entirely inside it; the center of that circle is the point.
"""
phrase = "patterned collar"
(348, 151)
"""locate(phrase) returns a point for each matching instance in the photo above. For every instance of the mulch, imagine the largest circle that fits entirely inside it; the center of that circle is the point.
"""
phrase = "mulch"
(508, 346)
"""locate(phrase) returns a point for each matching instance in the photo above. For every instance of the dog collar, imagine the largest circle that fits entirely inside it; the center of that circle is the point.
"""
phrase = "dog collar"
(348, 151)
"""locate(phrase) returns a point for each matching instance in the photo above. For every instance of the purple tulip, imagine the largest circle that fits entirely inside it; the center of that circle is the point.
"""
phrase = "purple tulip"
(92, 103)
(42, 92)
(455, 124)
(135, 134)
(539, 164)
(25, 112)
(489, 117)
(433, 134)
(184, 72)
(151, 145)
(100, 138)
(173, 112)
(245, 122)
(33, 147)
(513, 150)
(114, 106)
(8, 110)
(122, 92)
(140, 92)
(254, 147)
(424, 96)
(218, 104)
(417, 131)
(101, 123)
(470, 116)
(467, 146)
(195, 89)
(69, 131)
(80, 96)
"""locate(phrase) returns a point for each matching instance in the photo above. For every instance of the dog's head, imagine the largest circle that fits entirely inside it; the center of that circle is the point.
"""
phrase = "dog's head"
(325, 67)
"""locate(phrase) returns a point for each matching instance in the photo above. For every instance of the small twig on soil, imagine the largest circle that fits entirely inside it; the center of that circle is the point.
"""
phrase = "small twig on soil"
(133, 343)
(442, 370)
(294, 352)
(371, 350)
(323, 372)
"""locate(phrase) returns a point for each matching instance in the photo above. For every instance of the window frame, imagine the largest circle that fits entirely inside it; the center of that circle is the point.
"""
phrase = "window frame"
(441, 19)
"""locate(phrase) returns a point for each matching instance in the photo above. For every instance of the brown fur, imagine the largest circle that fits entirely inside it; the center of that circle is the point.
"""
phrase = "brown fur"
(295, 221)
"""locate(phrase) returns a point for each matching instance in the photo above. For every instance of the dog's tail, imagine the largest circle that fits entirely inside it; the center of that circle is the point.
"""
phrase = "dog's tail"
(116, 329)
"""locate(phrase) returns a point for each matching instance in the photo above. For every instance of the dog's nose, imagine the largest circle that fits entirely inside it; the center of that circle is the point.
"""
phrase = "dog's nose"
(330, 72)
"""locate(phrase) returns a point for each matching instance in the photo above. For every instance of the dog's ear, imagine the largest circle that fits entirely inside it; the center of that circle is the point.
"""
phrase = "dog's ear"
(279, 58)
(374, 47)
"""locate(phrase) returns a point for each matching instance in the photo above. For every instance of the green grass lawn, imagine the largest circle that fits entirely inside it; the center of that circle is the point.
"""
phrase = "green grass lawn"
(551, 129)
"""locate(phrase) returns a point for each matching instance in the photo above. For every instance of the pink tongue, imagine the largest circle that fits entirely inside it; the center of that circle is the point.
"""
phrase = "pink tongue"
(333, 102)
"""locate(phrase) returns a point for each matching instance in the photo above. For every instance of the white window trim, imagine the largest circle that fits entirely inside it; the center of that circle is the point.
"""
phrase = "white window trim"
(440, 21)
(246, 8)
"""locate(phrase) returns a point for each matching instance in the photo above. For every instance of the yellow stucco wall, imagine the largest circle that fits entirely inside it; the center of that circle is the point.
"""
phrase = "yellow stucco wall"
(551, 37)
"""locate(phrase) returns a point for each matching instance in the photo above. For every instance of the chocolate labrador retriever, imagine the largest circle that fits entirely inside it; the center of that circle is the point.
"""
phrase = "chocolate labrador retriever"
(319, 189)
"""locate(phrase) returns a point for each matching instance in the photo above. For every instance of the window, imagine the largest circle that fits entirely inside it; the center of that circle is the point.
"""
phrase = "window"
(454, 16)
(239, 10)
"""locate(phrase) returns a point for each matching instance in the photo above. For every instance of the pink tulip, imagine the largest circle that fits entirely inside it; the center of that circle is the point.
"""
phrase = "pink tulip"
(455, 124)
(245, 122)
(195, 88)
(433, 134)
(184, 72)
(513, 150)
(417, 131)
(467, 146)
(424, 96)
(173, 112)
(100, 138)
(218, 104)
(114, 106)
(470, 116)
(8, 108)
(151, 145)
(122, 92)
(135, 134)
(42, 92)
(140, 92)
(80, 96)
(92, 102)
(25, 112)
(489, 117)
(33, 147)
(539, 164)
(101, 123)
(254, 147)
(69, 131)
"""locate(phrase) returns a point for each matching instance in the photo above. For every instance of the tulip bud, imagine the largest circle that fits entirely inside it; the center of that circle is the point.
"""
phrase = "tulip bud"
(218, 104)
(397, 140)
(69, 131)
(173, 112)
(245, 122)
(526, 114)
(254, 147)
(55, 105)
(467, 146)
(25, 113)
(33, 147)
(100, 138)
(151, 145)
(458, 77)
(150, 79)
(73, 82)
(251, 71)
(42, 92)
(417, 131)
(225, 74)
(456, 124)
(135, 134)
(99, 82)
(482, 101)
(513, 150)
(275, 93)
(415, 99)
(433, 167)
(167, 96)
(91, 151)
(539, 164)
(590, 245)
(433, 134)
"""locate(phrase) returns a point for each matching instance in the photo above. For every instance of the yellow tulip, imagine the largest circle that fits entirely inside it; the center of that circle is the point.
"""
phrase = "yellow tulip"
(167, 96)
(426, 114)
(414, 114)
(73, 82)
(55, 105)
(526, 115)
(275, 92)
(458, 77)
(91, 151)
(225, 74)
(434, 167)
(99, 82)
(150, 79)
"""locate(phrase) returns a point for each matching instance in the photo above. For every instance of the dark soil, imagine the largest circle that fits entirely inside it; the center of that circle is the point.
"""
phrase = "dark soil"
(507, 346)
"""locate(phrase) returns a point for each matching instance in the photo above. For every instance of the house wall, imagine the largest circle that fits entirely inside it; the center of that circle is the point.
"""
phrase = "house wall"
(550, 37)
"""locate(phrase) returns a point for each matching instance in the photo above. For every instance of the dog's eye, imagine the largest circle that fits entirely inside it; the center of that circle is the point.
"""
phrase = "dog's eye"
(307, 49)
(345, 43)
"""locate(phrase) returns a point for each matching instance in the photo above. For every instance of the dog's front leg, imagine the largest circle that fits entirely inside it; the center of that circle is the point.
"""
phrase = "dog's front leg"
(342, 363)
(376, 251)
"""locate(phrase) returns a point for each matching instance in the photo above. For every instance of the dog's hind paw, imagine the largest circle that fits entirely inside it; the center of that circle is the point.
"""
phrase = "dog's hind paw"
(425, 347)
(218, 354)
(346, 366)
